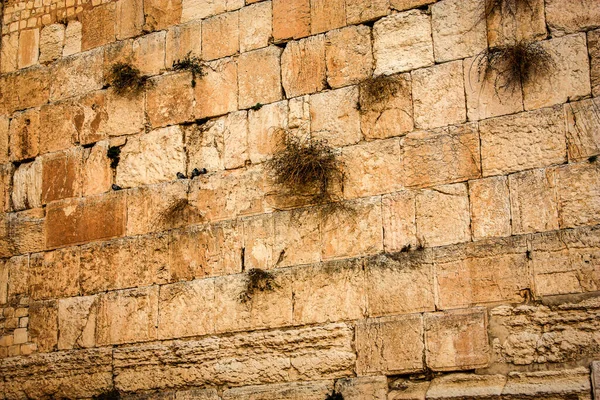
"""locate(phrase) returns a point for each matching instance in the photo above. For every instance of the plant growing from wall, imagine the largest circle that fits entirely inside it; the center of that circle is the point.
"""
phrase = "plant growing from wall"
(258, 280)
(109, 395)
(176, 213)
(376, 92)
(192, 64)
(334, 396)
(507, 8)
(114, 155)
(126, 80)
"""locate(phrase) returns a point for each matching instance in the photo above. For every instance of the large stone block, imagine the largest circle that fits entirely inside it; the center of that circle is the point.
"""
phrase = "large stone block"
(160, 14)
(593, 38)
(29, 48)
(3, 282)
(123, 115)
(18, 275)
(77, 322)
(9, 52)
(577, 190)
(76, 75)
(456, 340)
(402, 5)
(54, 274)
(390, 345)
(98, 26)
(281, 391)
(149, 52)
(523, 141)
(349, 55)
(358, 11)
(533, 200)
(303, 66)
(573, 383)
(291, 19)
(220, 36)
(402, 42)
(24, 135)
(52, 39)
(183, 40)
(4, 141)
(27, 186)
(399, 221)
(334, 116)
(170, 99)
(72, 38)
(129, 18)
(466, 385)
(22, 232)
(518, 22)
(43, 325)
(217, 92)
(583, 129)
(258, 241)
(490, 207)
(265, 130)
(6, 179)
(259, 74)
(582, 15)
(296, 238)
(256, 26)
(61, 175)
(367, 387)
(205, 144)
(327, 15)
(200, 9)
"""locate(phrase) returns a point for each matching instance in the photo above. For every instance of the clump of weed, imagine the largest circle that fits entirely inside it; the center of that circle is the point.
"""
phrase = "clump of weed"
(126, 79)
(258, 280)
(110, 395)
(192, 64)
(509, 67)
(377, 91)
(334, 396)
(177, 212)
(114, 155)
(506, 8)
(593, 159)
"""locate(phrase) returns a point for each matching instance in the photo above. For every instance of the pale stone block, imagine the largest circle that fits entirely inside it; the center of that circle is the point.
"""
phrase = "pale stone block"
(76, 75)
(183, 40)
(439, 88)
(96, 172)
(6, 173)
(402, 5)
(20, 336)
(3, 282)
(52, 39)
(516, 22)
(334, 116)
(367, 387)
(466, 385)
(124, 115)
(129, 18)
(349, 55)
(72, 38)
(327, 15)
(299, 114)
(4, 143)
(18, 273)
(151, 158)
(197, 394)
(358, 11)
(170, 99)
(577, 190)
(256, 26)
(204, 145)
(594, 50)
(390, 345)
(149, 53)
(9, 52)
(456, 340)
(159, 14)
(220, 36)
(24, 135)
(29, 48)
(265, 130)
(533, 202)
(296, 238)
(399, 221)
(235, 140)
(77, 322)
(443, 215)
(402, 42)
(98, 26)
(27, 186)
(490, 207)
(259, 239)
(54, 274)
(459, 29)
(200, 9)
(549, 384)
(217, 92)
(291, 19)
(259, 77)
(408, 389)
(583, 129)
(581, 15)
(303, 66)
(61, 175)
(523, 141)
(281, 391)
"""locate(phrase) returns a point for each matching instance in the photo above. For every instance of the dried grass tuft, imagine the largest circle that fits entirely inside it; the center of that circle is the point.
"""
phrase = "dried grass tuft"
(126, 80)
(377, 91)
(190, 63)
(258, 280)
(177, 213)
(507, 8)
(334, 396)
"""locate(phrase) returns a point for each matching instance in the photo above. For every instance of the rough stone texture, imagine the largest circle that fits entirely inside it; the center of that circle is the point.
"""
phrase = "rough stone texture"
(327, 15)
(374, 388)
(296, 237)
(200, 9)
(98, 26)
(54, 274)
(459, 30)
(76, 75)
(358, 11)
(217, 92)
(399, 220)
(522, 22)
(159, 14)
(265, 130)
(390, 345)
(29, 48)
(183, 39)
(285, 391)
(72, 38)
(24, 135)
(291, 19)
(220, 36)
(583, 129)
(550, 384)
(170, 99)
(205, 144)
(577, 192)
(9, 52)
(259, 236)
(523, 141)
(334, 116)
(129, 17)
(27, 186)
(43, 325)
(303, 66)
(460, 386)
(77, 322)
(594, 50)
(149, 52)
(582, 15)
(595, 379)
(61, 175)
(490, 207)
(349, 55)
(52, 39)
(256, 26)
(402, 42)
(402, 5)
(259, 77)
(22, 232)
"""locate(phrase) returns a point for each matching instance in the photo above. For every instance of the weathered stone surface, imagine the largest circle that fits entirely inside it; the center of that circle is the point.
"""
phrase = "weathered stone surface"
(72, 38)
(593, 38)
(43, 325)
(456, 340)
(443, 215)
(4, 143)
(258, 241)
(583, 129)
(386, 107)
(390, 345)
(577, 188)
(151, 158)
(460, 386)
(399, 221)
(200, 9)
(595, 378)
(523, 141)
(296, 238)
(182, 40)
(513, 23)
(22, 232)
(220, 36)
(303, 66)
(568, 77)
(442, 156)
(77, 322)
(27, 186)
(349, 55)
(407, 389)
(160, 14)
(265, 130)
(440, 88)
(367, 387)
(334, 116)
(9, 52)
(256, 26)
(129, 18)
(327, 15)
(149, 52)
(490, 207)
(54, 274)
(24, 135)
(76, 374)
(402, 42)
(533, 202)
(217, 92)
(358, 11)
(582, 15)
(197, 394)
(18, 274)
(483, 272)
(282, 391)
(259, 75)
(402, 5)
(76, 75)
(291, 19)
(170, 99)
(6, 179)
(205, 144)
(61, 175)
(29, 48)
(98, 26)
(96, 172)
(550, 384)
(323, 352)
(52, 39)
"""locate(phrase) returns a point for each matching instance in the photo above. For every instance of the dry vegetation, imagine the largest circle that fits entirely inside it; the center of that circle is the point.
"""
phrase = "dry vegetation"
(506, 8)
(178, 212)
(126, 80)
(376, 92)
(258, 280)
(192, 64)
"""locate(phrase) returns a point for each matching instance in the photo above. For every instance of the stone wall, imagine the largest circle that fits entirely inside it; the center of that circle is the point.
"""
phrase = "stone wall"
(465, 262)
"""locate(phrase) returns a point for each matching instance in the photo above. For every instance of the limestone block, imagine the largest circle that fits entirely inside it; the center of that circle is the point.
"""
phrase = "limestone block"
(170, 99)
(22, 232)
(577, 191)
(18, 274)
(296, 238)
(9, 52)
(129, 18)
(533, 200)
(4, 144)
(24, 135)
(217, 92)
(442, 156)
(77, 221)
(60, 129)
(200, 9)
(291, 19)
(358, 11)
(367, 387)
(582, 15)
(402, 42)
(259, 357)
(259, 237)
(98, 26)
(459, 29)
(349, 55)
(400, 284)
(124, 263)
(299, 114)
(326, 15)
(358, 235)
(76, 75)
(54, 274)
(6, 179)
(85, 118)
(61, 175)
(187, 309)
(545, 384)
(373, 168)
(117, 52)
(466, 385)
(569, 76)
(90, 374)
(303, 66)
(152, 158)
(197, 394)
(281, 391)
(583, 129)
(43, 325)
(443, 215)
(386, 107)
(265, 130)
(256, 26)
(402, 5)
(160, 14)
(77, 322)
(439, 88)
(593, 38)
(149, 53)
(29, 48)
(523, 141)
(259, 75)
(29, 88)
(27, 186)
(183, 40)
(52, 40)
(595, 378)
(399, 221)
(390, 345)
(122, 116)
(329, 292)
(3, 282)
(406, 389)
(516, 23)
(73, 37)
(490, 207)
(482, 272)
(220, 36)
(334, 116)
(205, 145)
(235, 140)
(127, 316)
(456, 340)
